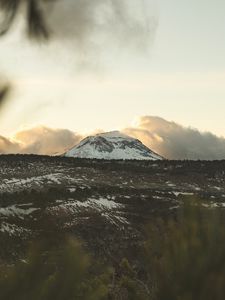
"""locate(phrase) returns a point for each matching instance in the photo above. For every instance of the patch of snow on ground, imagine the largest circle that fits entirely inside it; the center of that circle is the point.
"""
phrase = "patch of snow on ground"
(14, 184)
(14, 210)
(107, 208)
(217, 188)
(183, 194)
(13, 229)
(170, 184)
(214, 205)
(98, 204)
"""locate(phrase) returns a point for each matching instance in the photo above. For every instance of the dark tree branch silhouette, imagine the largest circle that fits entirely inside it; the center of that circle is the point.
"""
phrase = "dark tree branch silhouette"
(35, 26)
(4, 93)
(35, 20)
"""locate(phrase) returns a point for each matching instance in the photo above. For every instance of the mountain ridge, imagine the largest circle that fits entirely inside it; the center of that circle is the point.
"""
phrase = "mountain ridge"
(112, 145)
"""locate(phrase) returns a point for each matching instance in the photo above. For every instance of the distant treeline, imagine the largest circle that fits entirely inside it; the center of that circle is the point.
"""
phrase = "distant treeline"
(132, 165)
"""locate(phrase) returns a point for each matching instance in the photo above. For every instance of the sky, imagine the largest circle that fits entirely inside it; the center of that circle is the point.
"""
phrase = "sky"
(166, 61)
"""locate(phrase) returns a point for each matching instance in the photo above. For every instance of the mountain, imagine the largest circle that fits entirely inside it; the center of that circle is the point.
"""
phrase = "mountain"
(112, 145)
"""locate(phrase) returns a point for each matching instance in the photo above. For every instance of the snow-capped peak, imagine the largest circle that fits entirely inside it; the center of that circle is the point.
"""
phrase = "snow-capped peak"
(115, 135)
(112, 145)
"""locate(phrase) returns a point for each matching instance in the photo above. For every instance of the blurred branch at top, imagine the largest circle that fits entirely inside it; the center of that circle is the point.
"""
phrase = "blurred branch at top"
(35, 25)
(5, 90)
(34, 15)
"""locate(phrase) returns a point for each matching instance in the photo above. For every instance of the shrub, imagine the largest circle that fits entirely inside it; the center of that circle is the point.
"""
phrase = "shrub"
(186, 257)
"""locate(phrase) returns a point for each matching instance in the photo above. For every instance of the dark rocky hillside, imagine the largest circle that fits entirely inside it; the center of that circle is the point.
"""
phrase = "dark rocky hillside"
(105, 203)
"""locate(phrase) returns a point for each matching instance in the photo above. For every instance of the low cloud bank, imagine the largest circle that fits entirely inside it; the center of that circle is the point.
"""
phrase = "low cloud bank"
(168, 139)
(40, 140)
(174, 141)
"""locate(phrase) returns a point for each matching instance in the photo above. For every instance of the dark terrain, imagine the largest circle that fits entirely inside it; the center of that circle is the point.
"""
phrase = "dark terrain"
(107, 204)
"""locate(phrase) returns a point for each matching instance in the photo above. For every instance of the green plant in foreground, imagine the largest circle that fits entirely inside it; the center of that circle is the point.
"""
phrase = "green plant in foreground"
(183, 259)
(186, 257)
(56, 274)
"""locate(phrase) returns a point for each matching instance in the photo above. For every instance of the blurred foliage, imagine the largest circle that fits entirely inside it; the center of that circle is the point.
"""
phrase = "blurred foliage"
(4, 93)
(54, 273)
(183, 258)
(35, 19)
(186, 257)
(67, 272)
(36, 26)
(5, 90)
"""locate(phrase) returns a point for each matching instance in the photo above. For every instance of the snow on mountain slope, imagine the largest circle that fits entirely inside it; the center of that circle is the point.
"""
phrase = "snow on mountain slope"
(112, 145)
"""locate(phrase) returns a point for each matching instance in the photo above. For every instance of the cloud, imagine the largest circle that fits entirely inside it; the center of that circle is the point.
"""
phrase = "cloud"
(169, 139)
(40, 140)
(8, 146)
(174, 141)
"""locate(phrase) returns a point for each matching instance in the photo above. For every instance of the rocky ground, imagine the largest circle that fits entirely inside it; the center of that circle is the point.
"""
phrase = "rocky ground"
(105, 203)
